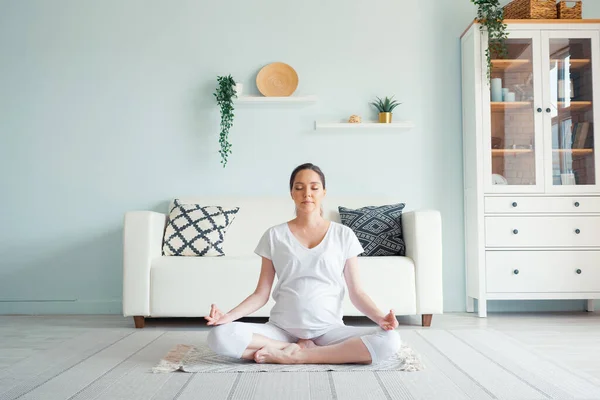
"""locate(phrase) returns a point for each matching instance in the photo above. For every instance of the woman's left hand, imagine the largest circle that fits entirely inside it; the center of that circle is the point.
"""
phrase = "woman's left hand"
(389, 322)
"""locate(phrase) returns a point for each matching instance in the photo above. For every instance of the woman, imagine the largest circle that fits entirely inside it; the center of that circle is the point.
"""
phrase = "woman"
(311, 256)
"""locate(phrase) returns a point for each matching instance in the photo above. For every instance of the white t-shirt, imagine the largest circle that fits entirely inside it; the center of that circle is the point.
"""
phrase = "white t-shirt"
(310, 282)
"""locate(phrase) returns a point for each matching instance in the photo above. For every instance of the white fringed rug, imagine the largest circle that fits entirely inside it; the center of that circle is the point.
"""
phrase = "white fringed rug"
(200, 358)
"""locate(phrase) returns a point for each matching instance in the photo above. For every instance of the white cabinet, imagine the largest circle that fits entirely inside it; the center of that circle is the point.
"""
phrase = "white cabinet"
(542, 271)
(532, 189)
(554, 232)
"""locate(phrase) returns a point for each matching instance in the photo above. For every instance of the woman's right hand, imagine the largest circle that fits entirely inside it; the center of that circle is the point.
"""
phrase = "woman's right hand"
(216, 316)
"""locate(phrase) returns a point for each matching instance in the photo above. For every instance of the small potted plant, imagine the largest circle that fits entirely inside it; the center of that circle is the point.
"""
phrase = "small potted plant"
(226, 91)
(490, 14)
(385, 108)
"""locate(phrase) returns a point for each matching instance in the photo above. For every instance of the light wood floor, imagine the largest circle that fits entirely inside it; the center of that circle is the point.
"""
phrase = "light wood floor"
(572, 339)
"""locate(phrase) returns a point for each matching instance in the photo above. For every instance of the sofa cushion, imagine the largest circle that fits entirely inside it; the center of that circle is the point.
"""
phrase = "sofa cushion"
(378, 228)
(187, 286)
(257, 214)
(195, 230)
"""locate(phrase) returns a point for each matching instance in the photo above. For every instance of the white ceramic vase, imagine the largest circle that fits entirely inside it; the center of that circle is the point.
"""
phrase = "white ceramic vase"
(238, 88)
(497, 89)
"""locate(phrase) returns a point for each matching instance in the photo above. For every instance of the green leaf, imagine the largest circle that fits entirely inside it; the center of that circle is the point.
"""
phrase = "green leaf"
(491, 16)
(378, 104)
(224, 95)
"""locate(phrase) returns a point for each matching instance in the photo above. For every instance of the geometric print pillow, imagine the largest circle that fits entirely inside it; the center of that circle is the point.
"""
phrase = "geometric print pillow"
(378, 228)
(193, 230)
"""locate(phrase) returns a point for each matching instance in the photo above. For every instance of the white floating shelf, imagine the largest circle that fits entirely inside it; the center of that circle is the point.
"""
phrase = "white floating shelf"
(277, 100)
(371, 125)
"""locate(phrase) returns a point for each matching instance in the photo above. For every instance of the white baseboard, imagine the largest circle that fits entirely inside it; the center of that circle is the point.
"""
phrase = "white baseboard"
(35, 307)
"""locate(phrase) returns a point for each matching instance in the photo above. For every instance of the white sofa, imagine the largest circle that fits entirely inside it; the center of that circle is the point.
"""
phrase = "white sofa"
(159, 286)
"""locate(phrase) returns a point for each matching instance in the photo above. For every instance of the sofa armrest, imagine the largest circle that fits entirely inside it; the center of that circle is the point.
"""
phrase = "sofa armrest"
(422, 231)
(142, 242)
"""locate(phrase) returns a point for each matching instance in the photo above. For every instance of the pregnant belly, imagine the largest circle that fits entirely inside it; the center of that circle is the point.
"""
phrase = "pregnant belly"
(309, 312)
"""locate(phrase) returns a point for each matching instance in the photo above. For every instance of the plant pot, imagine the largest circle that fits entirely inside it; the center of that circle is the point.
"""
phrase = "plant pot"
(385, 117)
(238, 88)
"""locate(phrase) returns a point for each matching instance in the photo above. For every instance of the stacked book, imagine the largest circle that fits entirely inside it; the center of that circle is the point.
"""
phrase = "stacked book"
(582, 135)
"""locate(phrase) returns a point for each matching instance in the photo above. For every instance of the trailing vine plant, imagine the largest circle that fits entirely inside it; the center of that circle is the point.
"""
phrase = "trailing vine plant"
(491, 16)
(225, 93)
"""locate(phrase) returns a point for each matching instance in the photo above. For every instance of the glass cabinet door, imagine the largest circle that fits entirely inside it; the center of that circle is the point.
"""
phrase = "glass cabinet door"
(514, 163)
(569, 61)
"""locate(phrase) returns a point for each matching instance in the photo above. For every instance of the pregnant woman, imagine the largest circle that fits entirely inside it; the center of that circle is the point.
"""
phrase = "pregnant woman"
(311, 257)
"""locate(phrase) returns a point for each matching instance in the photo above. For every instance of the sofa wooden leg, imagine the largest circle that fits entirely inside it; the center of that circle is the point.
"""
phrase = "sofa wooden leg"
(140, 322)
(426, 319)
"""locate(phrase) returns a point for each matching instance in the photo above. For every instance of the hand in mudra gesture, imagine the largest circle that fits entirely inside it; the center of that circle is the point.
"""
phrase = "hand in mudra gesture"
(217, 317)
(389, 322)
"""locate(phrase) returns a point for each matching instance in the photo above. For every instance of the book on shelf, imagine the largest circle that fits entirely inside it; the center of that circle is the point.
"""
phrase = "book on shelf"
(589, 143)
(581, 131)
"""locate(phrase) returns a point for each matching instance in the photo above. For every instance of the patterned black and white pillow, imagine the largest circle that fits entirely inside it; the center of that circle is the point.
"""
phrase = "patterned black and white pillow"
(378, 228)
(194, 230)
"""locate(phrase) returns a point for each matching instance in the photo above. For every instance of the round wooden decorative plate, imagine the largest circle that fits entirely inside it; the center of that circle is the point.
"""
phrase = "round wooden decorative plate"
(277, 80)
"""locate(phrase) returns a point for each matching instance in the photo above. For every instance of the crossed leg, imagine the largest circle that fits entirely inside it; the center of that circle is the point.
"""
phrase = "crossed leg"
(266, 343)
(243, 339)
(259, 341)
(341, 345)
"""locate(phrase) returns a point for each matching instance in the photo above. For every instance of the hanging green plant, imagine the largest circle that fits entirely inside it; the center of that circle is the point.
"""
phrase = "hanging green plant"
(491, 17)
(225, 93)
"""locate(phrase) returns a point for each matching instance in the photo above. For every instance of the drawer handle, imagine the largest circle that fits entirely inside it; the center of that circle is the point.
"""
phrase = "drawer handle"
(578, 271)
(516, 272)
(576, 204)
(514, 204)
(515, 231)
(577, 231)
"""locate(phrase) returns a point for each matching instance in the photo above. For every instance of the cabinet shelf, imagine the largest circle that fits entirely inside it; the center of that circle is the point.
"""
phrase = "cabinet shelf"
(574, 105)
(498, 106)
(521, 65)
(510, 152)
(511, 65)
(514, 152)
(574, 62)
(573, 151)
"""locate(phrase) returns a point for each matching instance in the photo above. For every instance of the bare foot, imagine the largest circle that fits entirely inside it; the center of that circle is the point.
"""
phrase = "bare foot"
(273, 355)
(306, 343)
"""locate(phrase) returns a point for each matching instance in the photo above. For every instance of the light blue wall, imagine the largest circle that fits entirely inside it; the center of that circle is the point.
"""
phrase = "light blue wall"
(106, 106)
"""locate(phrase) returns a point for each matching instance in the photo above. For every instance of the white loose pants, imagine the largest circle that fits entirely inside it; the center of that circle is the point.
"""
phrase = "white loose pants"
(233, 338)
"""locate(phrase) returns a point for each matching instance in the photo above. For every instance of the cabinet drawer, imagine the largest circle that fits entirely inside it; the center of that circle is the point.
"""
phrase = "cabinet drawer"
(542, 231)
(542, 271)
(518, 204)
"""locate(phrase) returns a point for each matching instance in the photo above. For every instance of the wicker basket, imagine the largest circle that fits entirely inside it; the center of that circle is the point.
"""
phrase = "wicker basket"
(569, 9)
(530, 9)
